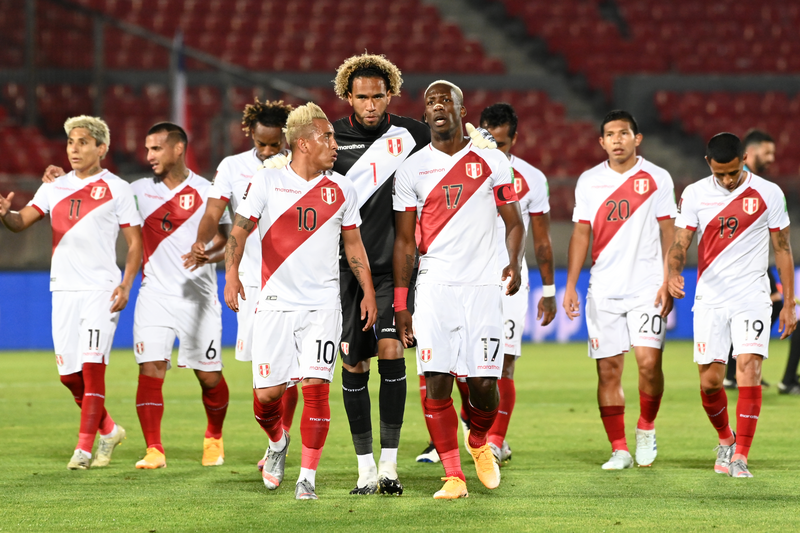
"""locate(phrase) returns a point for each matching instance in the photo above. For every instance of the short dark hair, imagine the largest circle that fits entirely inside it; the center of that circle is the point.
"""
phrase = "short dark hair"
(497, 115)
(619, 114)
(724, 148)
(174, 132)
(755, 136)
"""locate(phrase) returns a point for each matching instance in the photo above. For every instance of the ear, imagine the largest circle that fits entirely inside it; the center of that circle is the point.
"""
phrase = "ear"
(638, 139)
(463, 111)
(350, 98)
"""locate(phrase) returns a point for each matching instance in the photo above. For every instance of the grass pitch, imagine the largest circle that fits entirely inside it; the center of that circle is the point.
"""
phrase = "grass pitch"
(554, 481)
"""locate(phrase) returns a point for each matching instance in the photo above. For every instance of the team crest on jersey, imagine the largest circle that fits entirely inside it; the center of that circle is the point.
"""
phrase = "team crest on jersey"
(595, 343)
(394, 146)
(425, 355)
(263, 370)
(517, 185)
(329, 195)
(750, 205)
(345, 348)
(701, 348)
(186, 201)
(240, 345)
(140, 348)
(98, 193)
(474, 170)
(641, 186)
(59, 360)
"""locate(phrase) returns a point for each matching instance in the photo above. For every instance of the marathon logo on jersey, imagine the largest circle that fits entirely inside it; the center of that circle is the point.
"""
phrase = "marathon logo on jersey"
(329, 195)
(263, 370)
(59, 360)
(98, 193)
(474, 170)
(140, 348)
(595, 343)
(425, 355)
(750, 205)
(186, 201)
(701, 348)
(345, 348)
(394, 146)
(641, 186)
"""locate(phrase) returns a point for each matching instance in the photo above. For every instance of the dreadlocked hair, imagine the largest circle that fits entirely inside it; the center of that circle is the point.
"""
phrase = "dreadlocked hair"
(268, 114)
(367, 66)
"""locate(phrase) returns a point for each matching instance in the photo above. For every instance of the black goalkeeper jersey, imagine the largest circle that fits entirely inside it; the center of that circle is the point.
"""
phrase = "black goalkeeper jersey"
(370, 159)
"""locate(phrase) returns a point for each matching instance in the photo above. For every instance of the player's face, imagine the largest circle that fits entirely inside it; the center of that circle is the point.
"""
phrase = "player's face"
(162, 155)
(728, 175)
(619, 141)
(369, 99)
(759, 157)
(443, 111)
(83, 151)
(268, 140)
(321, 145)
(501, 137)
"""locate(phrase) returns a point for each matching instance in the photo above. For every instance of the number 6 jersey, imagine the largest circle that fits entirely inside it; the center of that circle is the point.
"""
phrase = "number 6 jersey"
(623, 211)
(732, 237)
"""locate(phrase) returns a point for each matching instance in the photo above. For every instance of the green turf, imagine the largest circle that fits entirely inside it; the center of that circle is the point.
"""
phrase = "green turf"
(554, 481)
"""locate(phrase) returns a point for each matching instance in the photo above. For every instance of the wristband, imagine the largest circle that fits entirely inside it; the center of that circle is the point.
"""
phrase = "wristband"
(548, 291)
(400, 299)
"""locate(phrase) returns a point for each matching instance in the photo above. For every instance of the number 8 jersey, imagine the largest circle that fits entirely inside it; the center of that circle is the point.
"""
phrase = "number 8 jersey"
(732, 237)
(623, 211)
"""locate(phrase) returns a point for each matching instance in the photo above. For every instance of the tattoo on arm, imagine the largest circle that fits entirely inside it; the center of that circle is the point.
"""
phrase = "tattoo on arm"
(232, 252)
(677, 252)
(783, 240)
(357, 266)
(244, 223)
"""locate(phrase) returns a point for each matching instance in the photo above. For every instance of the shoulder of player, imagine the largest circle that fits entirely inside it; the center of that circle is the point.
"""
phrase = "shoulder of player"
(765, 186)
(342, 124)
(658, 173)
(343, 182)
(528, 171)
(415, 127)
(417, 159)
(495, 158)
(591, 174)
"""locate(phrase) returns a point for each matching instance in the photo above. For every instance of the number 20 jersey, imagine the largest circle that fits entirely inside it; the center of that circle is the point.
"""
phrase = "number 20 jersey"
(732, 237)
(624, 211)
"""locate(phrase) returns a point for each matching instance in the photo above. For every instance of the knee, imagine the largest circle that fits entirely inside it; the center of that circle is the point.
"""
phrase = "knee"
(268, 395)
(609, 374)
(483, 393)
(209, 380)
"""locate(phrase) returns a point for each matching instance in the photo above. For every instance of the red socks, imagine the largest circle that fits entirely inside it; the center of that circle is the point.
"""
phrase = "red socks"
(716, 406)
(613, 417)
(508, 397)
(314, 423)
(747, 410)
(648, 409)
(442, 422)
(216, 403)
(150, 408)
(479, 425)
(74, 382)
(268, 416)
(289, 400)
(93, 405)
(463, 390)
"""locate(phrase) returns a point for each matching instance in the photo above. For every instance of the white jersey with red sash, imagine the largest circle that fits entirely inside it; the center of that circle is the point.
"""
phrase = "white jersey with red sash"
(732, 237)
(300, 223)
(171, 219)
(623, 211)
(86, 215)
(456, 199)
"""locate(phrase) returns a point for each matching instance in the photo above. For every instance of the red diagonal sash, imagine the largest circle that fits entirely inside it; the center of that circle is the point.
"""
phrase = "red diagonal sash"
(76, 206)
(167, 218)
(619, 207)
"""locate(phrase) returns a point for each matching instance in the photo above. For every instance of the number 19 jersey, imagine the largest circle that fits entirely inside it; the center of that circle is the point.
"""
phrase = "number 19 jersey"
(623, 211)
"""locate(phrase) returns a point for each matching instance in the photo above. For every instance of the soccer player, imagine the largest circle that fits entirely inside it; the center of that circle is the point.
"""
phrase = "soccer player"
(87, 209)
(622, 204)
(735, 214)
(456, 192)
(302, 212)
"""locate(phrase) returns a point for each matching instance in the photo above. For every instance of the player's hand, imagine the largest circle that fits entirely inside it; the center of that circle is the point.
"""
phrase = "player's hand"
(120, 298)
(664, 300)
(189, 261)
(571, 304)
(547, 309)
(279, 160)
(369, 311)
(675, 287)
(514, 283)
(198, 254)
(788, 320)
(5, 204)
(233, 289)
(405, 327)
(51, 173)
(481, 137)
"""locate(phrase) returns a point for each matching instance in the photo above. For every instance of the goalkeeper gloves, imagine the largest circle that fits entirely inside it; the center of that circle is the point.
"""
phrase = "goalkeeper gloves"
(481, 137)
(279, 160)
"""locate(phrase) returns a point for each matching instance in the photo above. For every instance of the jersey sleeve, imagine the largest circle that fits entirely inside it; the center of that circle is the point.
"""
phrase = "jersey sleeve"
(503, 184)
(539, 197)
(221, 184)
(687, 211)
(255, 198)
(665, 203)
(404, 197)
(777, 215)
(41, 200)
(126, 208)
(581, 212)
(351, 218)
(225, 218)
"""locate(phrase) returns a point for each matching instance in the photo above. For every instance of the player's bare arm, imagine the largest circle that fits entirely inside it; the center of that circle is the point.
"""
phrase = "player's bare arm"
(20, 220)
(515, 244)
(213, 254)
(663, 297)
(234, 251)
(51, 173)
(676, 260)
(359, 264)
(576, 256)
(785, 264)
(405, 248)
(209, 224)
(543, 248)
(120, 296)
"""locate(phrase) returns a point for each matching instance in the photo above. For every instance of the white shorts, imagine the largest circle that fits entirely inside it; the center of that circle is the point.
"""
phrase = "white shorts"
(515, 308)
(615, 324)
(158, 319)
(295, 345)
(744, 327)
(83, 328)
(245, 318)
(459, 330)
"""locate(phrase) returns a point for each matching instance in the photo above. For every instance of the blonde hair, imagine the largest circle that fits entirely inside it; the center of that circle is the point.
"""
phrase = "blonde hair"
(453, 86)
(368, 65)
(97, 127)
(300, 119)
